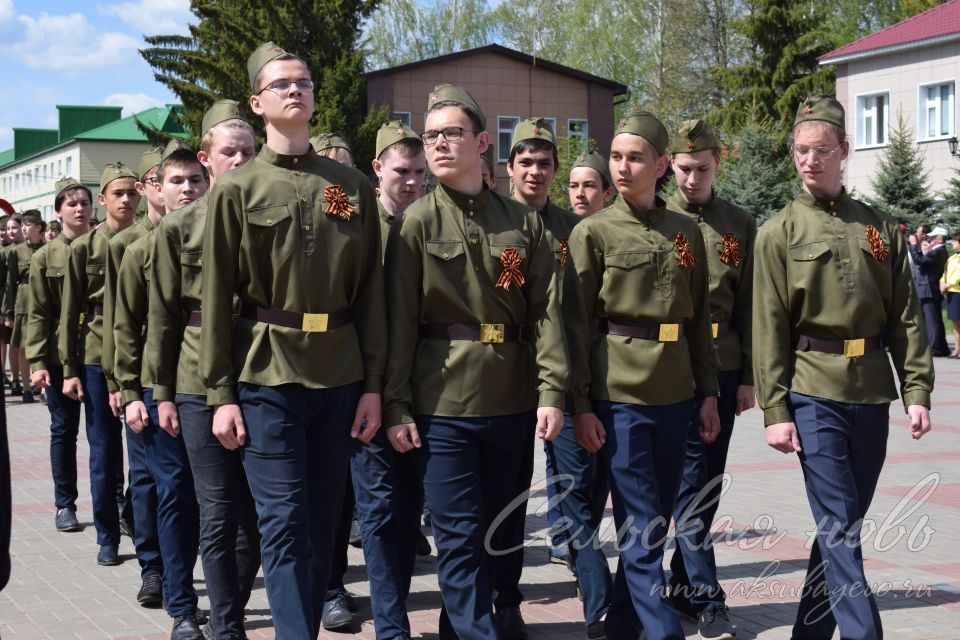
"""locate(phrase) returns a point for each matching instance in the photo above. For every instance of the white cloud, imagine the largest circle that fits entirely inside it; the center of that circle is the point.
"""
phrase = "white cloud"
(132, 102)
(152, 17)
(6, 10)
(70, 42)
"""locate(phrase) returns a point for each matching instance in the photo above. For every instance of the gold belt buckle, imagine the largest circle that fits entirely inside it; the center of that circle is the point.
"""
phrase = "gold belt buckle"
(854, 348)
(669, 332)
(315, 322)
(491, 333)
(81, 318)
(716, 329)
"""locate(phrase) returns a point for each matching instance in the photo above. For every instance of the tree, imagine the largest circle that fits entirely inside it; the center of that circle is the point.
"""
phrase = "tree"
(210, 63)
(901, 183)
(949, 209)
(756, 174)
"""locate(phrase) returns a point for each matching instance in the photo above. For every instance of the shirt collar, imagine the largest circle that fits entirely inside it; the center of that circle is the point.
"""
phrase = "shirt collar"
(288, 162)
(830, 205)
(463, 201)
(648, 217)
(698, 209)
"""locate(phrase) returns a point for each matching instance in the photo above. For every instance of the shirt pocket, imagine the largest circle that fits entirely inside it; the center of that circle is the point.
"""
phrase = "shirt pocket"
(191, 270)
(625, 275)
(810, 252)
(445, 250)
(268, 224)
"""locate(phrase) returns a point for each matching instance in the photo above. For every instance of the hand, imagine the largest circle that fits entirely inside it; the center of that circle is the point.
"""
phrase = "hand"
(40, 378)
(549, 422)
(745, 398)
(73, 389)
(912, 239)
(136, 416)
(919, 420)
(943, 287)
(589, 432)
(783, 437)
(116, 403)
(709, 419)
(404, 437)
(7, 323)
(367, 419)
(169, 417)
(228, 426)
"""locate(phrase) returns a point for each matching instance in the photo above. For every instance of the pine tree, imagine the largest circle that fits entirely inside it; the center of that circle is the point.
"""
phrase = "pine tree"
(757, 174)
(950, 204)
(901, 183)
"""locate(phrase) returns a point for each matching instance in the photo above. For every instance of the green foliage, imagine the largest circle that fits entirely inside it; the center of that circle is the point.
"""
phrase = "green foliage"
(757, 174)
(901, 183)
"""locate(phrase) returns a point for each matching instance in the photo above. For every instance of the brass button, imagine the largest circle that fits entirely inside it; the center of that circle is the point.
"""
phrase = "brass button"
(296, 160)
(304, 199)
(446, 255)
(474, 241)
(831, 203)
(269, 221)
(809, 255)
(846, 261)
(470, 201)
(200, 262)
(470, 213)
(299, 173)
(306, 227)
(841, 236)
(101, 272)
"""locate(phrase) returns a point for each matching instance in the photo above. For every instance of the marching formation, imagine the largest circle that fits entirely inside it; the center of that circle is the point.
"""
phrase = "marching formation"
(284, 349)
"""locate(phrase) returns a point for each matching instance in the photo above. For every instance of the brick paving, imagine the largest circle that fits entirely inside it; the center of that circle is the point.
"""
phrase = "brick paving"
(57, 590)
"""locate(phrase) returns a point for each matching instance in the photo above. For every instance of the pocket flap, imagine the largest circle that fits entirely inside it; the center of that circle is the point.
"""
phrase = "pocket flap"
(192, 259)
(445, 249)
(807, 252)
(627, 260)
(268, 216)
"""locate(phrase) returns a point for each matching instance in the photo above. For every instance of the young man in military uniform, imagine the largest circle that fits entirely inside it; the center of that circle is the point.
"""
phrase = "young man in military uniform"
(296, 238)
(474, 312)
(80, 344)
(72, 202)
(16, 299)
(181, 179)
(330, 145)
(589, 185)
(832, 288)
(728, 234)
(54, 229)
(650, 363)
(229, 541)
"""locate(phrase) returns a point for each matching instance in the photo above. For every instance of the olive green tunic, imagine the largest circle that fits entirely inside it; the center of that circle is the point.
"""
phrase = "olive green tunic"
(444, 265)
(81, 334)
(4, 249)
(629, 269)
(386, 221)
(174, 293)
(130, 319)
(731, 284)
(816, 275)
(16, 299)
(48, 269)
(274, 244)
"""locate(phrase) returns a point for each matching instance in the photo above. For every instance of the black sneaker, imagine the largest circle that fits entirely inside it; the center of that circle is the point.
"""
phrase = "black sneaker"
(511, 624)
(714, 623)
(28, 397)
(16, 389)
(151, 591)
(66, 519)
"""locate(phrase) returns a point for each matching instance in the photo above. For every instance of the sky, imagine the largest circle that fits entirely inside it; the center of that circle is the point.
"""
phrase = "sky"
(85, 52)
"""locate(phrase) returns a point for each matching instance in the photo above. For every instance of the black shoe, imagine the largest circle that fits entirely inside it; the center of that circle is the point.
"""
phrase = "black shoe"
(126, 528)
(185, 628)
(16, 389)
(423, 546)
(683, 607)
(714, 623)
(337, 614)
(108, 556)
(356, 539)
(28, 397)
(151, 591)
(66, 519)
(597, 631)
(511, 624)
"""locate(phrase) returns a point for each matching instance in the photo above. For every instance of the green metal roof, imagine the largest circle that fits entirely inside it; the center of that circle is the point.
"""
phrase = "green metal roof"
(6, 157)
(76, 119)
(126, 130)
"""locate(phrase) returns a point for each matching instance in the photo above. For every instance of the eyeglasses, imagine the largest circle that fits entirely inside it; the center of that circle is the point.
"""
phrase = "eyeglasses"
(820, 153)
(283, 85)
(150, 180)
(450, 134)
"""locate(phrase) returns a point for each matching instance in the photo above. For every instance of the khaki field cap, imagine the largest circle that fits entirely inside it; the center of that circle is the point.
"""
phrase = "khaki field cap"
(694, 136)
(822, 108)
(219, 111)
(31, 216)
(115, 172)
(174, 145)
(533, 129)
(459, 95)
(329, 141)
(647, 126)
(55, 224)
(487, 156)
(259, 58)
(596, 162)
(63, 184)
(150, 160)
(391, 133)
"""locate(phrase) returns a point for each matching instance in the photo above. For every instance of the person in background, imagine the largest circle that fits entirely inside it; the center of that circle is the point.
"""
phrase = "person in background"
(950, 288)
(928, 253)
(589, 185)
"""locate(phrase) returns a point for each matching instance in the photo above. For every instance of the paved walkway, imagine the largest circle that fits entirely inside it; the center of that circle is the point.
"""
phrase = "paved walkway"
(913, 560)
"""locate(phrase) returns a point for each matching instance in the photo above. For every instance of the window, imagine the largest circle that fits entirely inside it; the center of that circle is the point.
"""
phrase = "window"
(402, 116)
(69, 172)
(937, 110)
(505, 127)
(60, 168)
(873, 117)
(553, 124)
(578, 137)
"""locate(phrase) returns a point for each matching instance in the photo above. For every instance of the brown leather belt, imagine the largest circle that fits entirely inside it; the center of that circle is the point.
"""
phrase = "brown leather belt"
(849, 348)
(306, 322)
(485, 333)
(195, 319)
(644, 330)
(94, 310)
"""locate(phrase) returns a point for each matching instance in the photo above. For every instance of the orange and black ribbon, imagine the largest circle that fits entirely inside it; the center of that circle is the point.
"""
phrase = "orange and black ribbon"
(731, 250)
(683, 248)
(511, 261)
(878, 247)
(563, 253)
(338, 204)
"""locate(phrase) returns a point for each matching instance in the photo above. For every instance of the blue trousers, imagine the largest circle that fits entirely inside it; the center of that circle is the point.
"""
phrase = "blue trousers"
(583, 487)
(843, 449)
(557, 532)
(296, 460)
(644, 451)
(176, 513)
(104, 435)
(470, 471)
(229, 540)
(693, 566)
(64, 429)
(510, 567)
(389, 499)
